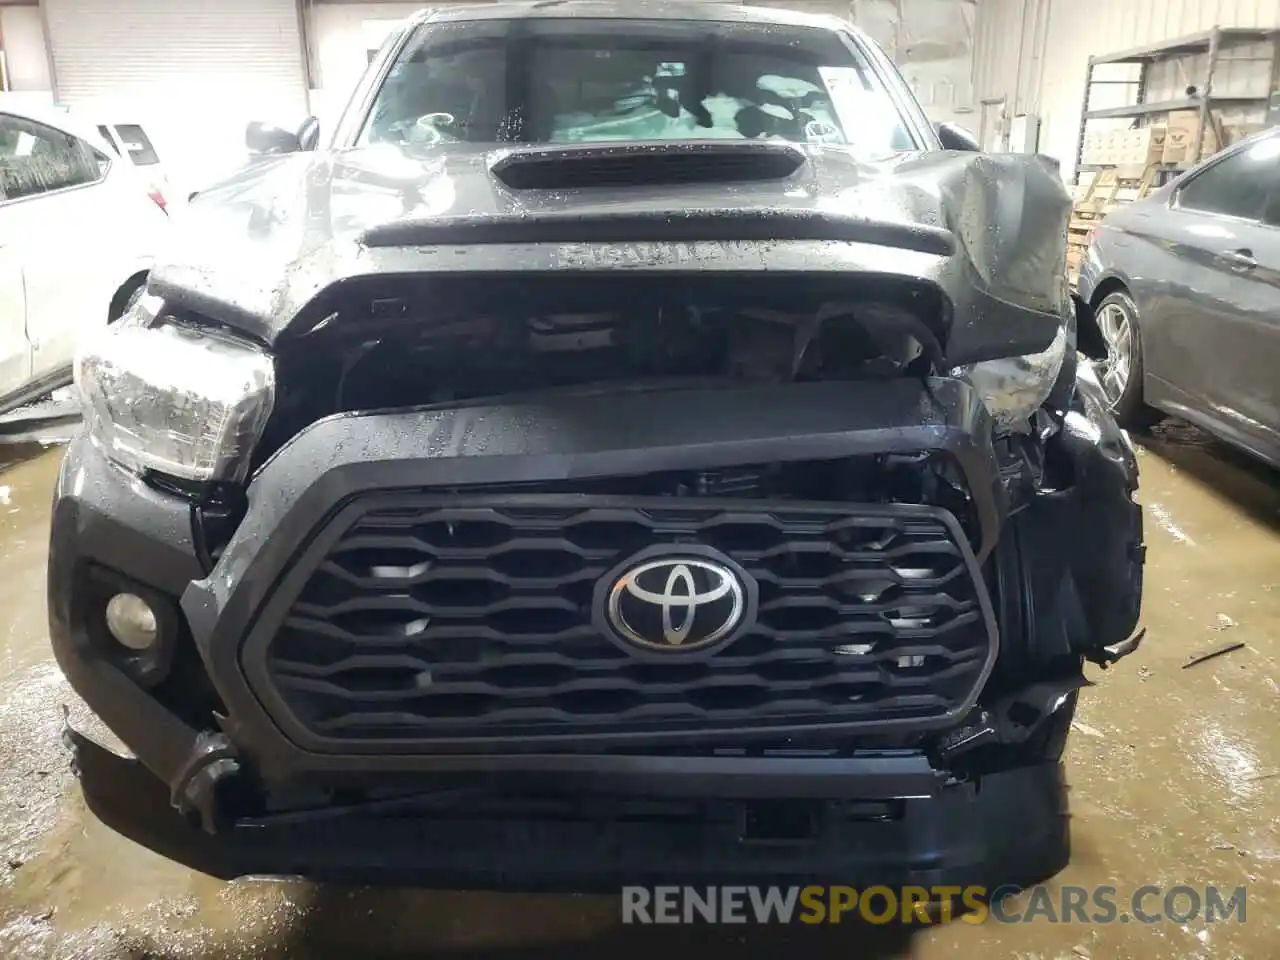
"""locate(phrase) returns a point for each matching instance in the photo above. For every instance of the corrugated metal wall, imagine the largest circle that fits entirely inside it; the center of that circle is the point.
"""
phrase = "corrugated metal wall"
(1041, 67)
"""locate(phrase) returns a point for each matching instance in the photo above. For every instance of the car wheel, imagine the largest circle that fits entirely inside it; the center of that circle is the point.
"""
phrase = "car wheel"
(1121, 372)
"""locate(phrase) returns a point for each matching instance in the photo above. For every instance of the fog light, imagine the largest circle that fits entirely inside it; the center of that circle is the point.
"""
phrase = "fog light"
(132, 621)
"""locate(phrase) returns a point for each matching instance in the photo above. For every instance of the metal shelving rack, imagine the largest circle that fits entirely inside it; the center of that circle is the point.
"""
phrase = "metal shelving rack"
(1212, 42)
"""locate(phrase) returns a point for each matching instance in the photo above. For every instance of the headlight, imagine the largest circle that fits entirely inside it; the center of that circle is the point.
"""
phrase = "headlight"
(1012, 388)
(186, 402)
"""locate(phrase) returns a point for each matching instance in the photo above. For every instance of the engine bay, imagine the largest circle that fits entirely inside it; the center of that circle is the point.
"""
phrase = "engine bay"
(488, 337)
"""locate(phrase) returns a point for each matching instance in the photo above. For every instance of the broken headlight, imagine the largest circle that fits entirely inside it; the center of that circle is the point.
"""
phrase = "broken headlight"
(179, 400)
(1013, 388)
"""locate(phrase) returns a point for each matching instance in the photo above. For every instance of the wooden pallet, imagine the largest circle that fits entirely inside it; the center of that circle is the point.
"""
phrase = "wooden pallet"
(1107, 191)
(1110, 189)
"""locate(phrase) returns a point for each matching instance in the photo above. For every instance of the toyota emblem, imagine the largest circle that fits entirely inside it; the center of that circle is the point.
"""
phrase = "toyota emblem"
(676, 603)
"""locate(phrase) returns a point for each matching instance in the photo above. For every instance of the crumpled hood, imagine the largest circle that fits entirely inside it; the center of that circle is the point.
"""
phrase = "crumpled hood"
(256, 250)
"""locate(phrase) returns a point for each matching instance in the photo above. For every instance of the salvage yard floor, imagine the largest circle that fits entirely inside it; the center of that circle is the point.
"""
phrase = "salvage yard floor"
(1175, 776)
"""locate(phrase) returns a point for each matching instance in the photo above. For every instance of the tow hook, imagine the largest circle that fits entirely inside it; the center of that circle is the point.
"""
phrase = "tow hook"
(1106, 656)
(195, 790)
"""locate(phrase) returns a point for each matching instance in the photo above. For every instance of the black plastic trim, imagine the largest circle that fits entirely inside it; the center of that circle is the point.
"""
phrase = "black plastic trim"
(727, 226)
(561, 436)
(638, 163)
(1010, 827)
(102, 514)
(259, 633)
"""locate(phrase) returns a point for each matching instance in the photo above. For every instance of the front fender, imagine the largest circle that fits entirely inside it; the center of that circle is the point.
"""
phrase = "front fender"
(1078, 541)
(1108, 552)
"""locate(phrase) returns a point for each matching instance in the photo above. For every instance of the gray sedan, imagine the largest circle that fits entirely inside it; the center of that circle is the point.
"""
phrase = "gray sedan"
(1185, 284)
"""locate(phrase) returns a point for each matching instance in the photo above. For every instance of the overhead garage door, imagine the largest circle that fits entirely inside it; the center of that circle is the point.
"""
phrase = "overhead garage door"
(173, 50)
(193, 72)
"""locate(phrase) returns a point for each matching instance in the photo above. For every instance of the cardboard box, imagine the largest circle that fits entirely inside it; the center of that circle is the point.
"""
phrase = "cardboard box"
(1121, 145)
(1183, 127)
(1149, 147)
(1103, 147)
(1094, 148)
(1136, 151)
(1239, 131)
(1129, 151)
(1183, 131)
(1112, 142)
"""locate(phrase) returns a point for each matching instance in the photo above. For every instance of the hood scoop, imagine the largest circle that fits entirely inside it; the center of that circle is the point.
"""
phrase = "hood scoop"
(646, 164)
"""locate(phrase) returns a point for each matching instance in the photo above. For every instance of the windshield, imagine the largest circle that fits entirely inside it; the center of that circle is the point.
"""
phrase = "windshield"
(573, 81)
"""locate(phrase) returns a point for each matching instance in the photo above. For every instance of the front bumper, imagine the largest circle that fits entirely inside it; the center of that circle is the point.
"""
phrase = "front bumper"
(171, 797)
(1012, 828)
(104, 518)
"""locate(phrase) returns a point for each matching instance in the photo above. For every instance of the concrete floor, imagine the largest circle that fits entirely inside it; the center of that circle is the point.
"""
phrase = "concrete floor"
(1174, 779)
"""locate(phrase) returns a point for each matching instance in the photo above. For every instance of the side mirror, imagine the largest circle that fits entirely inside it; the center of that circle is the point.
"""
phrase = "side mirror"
(309, 134)
(265, 138)
(956, 137)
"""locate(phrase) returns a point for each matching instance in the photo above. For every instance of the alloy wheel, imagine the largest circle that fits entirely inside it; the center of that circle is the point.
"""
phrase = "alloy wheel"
(1117, 332)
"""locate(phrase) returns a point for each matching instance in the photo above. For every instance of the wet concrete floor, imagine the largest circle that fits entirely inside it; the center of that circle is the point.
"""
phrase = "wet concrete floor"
(1175, 777)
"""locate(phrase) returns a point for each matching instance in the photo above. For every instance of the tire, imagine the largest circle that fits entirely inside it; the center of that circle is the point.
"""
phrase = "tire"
(1121, 373)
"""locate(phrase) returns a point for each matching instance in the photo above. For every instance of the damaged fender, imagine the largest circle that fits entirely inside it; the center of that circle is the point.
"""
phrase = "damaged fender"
(1079, 541)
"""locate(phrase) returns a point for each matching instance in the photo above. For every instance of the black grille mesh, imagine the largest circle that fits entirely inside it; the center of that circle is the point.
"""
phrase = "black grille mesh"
(472, 618)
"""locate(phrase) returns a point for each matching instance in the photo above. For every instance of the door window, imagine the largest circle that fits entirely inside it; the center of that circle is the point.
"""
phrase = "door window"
(36, 159)
(1245, 184)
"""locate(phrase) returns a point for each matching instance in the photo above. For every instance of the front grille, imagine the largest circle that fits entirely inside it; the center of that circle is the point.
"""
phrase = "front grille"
(443, 619)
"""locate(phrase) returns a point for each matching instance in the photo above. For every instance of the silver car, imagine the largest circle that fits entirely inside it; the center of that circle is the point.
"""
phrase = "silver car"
(1185, 284)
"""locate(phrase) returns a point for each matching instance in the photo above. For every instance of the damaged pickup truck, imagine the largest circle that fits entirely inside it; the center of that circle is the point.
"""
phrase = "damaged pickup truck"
(631, 449)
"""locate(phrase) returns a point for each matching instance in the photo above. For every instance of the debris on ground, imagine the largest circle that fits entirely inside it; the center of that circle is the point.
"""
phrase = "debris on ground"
(1224, 623)
(1212, 654)
(1087, 730)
